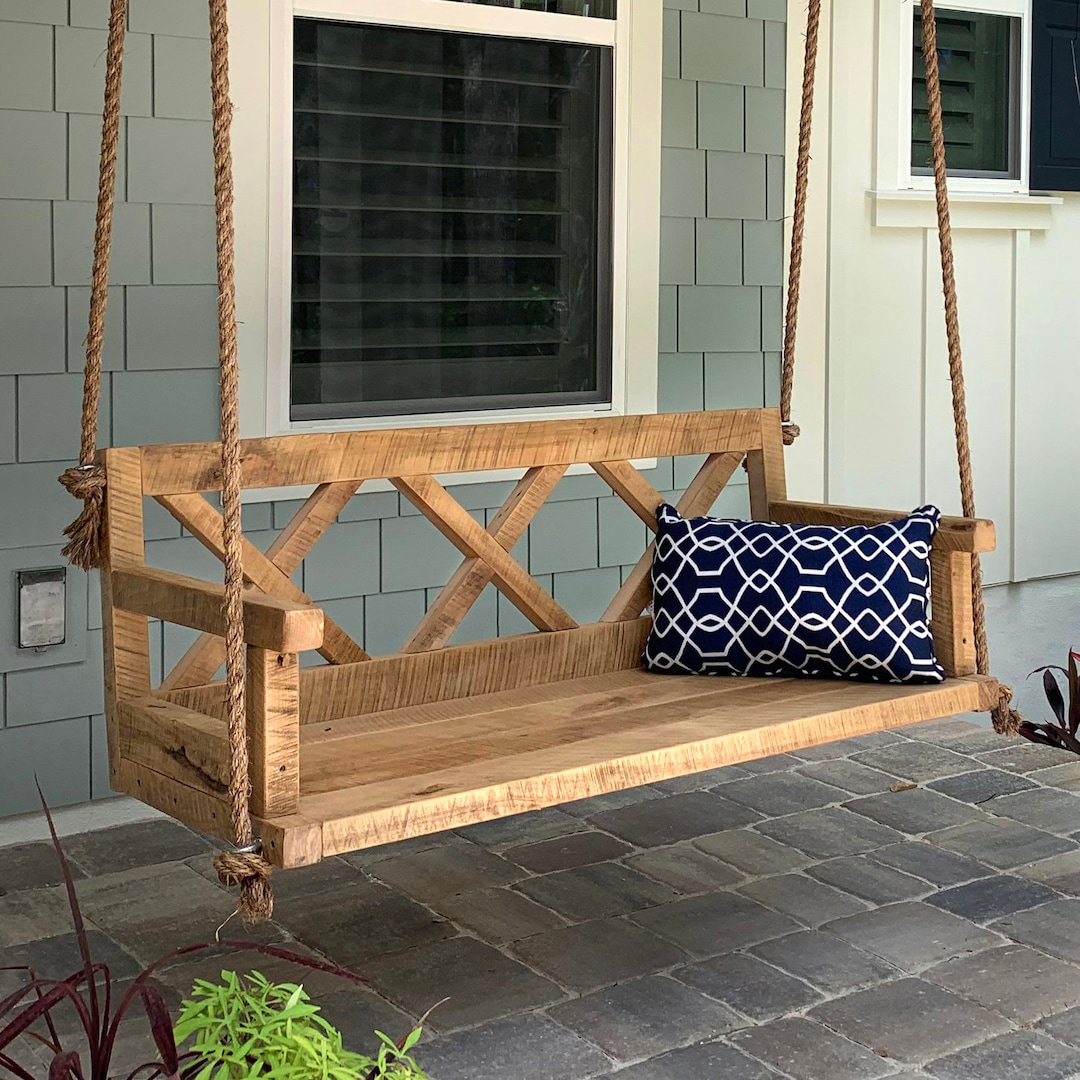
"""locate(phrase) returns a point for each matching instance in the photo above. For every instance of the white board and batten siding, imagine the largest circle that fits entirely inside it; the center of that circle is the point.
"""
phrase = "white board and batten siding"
(872, 384)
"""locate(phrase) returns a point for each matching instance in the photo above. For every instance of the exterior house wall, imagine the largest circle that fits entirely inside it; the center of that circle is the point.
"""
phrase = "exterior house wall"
(872, 392)
(378, 568)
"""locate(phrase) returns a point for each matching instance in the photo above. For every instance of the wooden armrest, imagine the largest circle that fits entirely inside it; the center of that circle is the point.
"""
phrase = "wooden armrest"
(282, 626)
(954, 533)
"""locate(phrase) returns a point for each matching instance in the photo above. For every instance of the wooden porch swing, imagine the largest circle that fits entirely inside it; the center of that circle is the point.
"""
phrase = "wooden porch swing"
(293, 764)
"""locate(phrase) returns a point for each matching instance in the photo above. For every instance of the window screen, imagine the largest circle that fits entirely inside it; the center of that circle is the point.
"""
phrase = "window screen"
(978, 90)
(451, 221)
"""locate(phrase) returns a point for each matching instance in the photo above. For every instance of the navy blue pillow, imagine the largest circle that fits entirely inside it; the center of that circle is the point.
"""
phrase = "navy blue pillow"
(755, 598)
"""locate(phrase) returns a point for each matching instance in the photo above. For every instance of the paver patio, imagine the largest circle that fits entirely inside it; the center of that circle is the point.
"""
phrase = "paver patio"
(794, 917)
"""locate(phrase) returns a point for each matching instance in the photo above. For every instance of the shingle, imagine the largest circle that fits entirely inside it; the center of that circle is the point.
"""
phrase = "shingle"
(184, 248)
(415, 555)
(26, 66)
(763, 252)
(88, 13)
(49, 408)
(721, 116)
(774, 187)
(84, 158)
(57, 693)
(563, 536)
(677, 251)
(772, 318)
(181, 78)
(169, 17)
(775, 55)
(73, 243)
(671, 56)
(345, 562)
(717, 317)
(389, 618)
(680, 382)
(78, 319)
(34, 165)
(165, 406)
(679, 123)
(61, 756)
(765, 131)
(25, 228)
(717, 48)
(733, 380)
(586, 593)
(682, 184)
(172, 326)
(35, 11)
(719, 252)
(170, 161)
(80, 72)
(736, 185)
(33, 337)
(775, 10)
(669, 318)
(7, 419)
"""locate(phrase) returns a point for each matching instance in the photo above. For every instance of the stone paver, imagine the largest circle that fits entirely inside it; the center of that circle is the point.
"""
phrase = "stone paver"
(1019, 1055)
(749, 985)
(645, 1017)
(807, 1051)
(1018, 982)
(912, 935)
(992, 898)
(911, 1020)
(825, 961)
(788, 919)
(677, 817)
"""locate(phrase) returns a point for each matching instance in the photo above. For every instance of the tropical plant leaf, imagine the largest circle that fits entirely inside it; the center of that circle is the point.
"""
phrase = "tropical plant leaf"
(66, 1066)
(1053, 695)
(161, 1029)
(1074, 694)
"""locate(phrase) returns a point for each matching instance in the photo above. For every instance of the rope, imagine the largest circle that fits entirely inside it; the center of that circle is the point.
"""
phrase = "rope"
(798, 224)
(244, 867)
(1006, 719)
(84, 547)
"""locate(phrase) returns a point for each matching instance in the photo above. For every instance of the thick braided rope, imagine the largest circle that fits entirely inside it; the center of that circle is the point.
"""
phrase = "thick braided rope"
(84, 547)
(798, 221)
(1006, 719)
(245, 868)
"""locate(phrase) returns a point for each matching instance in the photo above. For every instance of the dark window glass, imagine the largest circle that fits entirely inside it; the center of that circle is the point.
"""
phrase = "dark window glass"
(978, 91)
(595, 9)
(451, 222)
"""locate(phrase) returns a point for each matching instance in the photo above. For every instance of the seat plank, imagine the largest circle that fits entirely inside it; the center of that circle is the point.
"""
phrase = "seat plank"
(619, 757)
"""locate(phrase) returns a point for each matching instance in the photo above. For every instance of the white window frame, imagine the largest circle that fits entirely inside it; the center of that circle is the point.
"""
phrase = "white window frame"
(895, 72)
(261, 32)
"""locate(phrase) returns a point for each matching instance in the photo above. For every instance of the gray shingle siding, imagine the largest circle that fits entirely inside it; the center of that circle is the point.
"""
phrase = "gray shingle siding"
(378, 569)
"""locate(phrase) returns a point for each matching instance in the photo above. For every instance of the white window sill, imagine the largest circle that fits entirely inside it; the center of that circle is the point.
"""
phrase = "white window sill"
(968, 210)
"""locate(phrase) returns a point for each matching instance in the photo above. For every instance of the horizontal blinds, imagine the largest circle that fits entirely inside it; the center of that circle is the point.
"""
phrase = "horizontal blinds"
(449, 241)
(596, 9)
(974, 53)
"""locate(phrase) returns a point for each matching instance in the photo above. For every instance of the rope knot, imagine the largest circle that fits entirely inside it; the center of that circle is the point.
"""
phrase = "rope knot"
(251, 872)
(790, 432)
(1006, 719)
(84, 547)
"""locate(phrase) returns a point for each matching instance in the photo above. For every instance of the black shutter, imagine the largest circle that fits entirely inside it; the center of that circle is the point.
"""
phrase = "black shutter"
(1055, 99)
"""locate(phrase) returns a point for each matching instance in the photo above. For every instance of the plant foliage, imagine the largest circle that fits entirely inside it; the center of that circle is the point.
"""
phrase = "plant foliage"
(1062, 734)
(100, 1007)
(246, 1026)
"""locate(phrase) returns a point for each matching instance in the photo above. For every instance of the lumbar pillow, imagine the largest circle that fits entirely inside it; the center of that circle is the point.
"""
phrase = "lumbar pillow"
(755, 598)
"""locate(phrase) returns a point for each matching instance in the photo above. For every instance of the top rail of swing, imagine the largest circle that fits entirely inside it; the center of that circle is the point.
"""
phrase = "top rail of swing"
(321, 458)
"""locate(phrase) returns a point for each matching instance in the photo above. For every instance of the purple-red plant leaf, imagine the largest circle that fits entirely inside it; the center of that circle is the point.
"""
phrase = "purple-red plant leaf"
(15, 1068)
(31, 1013)
(93, 1031)
(161, 1028)
(1053, 695)
(1074, 695)
(66, 1066)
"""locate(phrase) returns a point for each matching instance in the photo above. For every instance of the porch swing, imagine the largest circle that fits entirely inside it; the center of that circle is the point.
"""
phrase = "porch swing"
(294, 764)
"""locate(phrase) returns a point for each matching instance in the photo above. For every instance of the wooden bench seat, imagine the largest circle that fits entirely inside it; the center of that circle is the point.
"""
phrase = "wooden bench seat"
(363, 751)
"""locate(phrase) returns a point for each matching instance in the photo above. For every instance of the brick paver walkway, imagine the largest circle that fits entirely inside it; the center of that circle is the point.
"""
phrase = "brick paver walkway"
(795, 917)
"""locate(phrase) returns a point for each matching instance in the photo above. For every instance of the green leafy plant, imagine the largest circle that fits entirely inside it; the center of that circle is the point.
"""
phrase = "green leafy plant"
(1063, 734)
(246, 1026)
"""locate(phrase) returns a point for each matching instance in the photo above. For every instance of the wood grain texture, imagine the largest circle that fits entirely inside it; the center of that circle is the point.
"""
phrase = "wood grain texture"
(765, 467)
(287, 460)
(125, 634)
(453, 603)
(632, 488)
(270, 623)
(611, 756)
(954, 534)
(273, 725)
(636, 591)
(951, 611)
(269, 572)
(475, 542)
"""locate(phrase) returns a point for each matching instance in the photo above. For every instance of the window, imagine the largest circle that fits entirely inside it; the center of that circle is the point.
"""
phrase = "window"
(1055, 95)
(980, 94)
(436, 220)
(451, 221)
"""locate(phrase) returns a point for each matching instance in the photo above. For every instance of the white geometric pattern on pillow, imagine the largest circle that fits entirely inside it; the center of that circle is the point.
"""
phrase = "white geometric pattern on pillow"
(756, 598)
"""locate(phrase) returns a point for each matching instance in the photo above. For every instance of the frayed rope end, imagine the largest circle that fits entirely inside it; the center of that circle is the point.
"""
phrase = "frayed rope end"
(790, 433)
(251, 872)
(1006, 719)
(84, 548)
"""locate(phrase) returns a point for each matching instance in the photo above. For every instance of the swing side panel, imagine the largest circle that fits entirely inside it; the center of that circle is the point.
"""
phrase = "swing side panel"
(354, 754)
